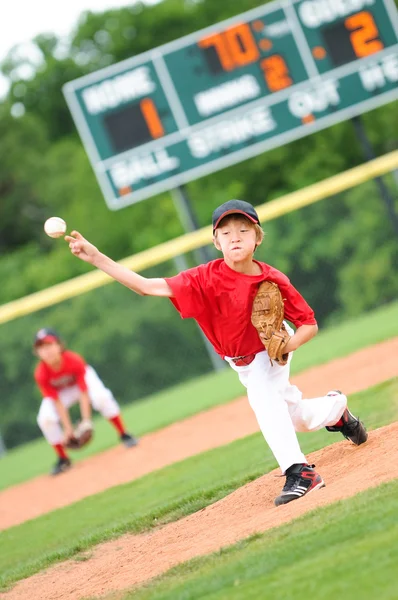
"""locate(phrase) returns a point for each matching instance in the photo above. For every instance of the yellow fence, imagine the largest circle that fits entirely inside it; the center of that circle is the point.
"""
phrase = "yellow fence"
(191, 241)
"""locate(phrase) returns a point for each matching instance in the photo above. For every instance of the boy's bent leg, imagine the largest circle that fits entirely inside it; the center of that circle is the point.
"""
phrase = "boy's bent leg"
(48, 421)
(101, 397)
(350, 426)
(314, 413)
(105, 403)
(328, 411)
(265, 388)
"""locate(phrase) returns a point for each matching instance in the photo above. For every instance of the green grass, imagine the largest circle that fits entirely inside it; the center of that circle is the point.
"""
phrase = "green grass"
(350, 336)
(141, 417)
(348, 549)
(163, 496)
(200, 394)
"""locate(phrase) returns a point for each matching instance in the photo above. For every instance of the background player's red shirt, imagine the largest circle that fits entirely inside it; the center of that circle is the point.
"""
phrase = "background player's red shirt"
(221, 300)
(72, 372)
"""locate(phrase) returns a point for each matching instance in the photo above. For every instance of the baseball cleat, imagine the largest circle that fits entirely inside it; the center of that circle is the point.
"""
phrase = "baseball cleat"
(62, 465)
(352, 428)
(128, 440)
(300, 480)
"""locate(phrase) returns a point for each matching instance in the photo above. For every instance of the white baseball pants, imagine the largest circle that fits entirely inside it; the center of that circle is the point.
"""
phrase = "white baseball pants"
(281, 410)
(101, 398)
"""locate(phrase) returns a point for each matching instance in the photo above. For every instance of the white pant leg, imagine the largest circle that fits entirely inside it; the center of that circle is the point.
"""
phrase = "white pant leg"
(101, 397)
(280, 409)
(310, 415)
(48, 418)
(314, 413)
(265, 386)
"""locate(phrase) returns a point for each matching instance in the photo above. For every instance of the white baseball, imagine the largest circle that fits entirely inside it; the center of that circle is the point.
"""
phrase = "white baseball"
(55, 227)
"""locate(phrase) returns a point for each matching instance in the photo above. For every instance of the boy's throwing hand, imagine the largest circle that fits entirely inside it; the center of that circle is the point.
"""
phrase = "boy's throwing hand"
(81, 248)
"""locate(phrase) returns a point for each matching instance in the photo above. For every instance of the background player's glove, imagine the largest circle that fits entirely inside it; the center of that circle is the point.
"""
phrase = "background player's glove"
(267, 318)
(82, 435)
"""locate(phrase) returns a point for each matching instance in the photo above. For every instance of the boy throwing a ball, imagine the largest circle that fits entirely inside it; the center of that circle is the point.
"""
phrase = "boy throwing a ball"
(219, 295)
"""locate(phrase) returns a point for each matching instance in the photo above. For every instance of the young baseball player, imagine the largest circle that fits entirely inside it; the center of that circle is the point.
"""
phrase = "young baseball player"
(219, 296)
(64, 379)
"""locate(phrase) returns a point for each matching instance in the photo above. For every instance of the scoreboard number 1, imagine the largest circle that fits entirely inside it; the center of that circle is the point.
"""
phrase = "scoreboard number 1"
(133, 125)
(151, 116)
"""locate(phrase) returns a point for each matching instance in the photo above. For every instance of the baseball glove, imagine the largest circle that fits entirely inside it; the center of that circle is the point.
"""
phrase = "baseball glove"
(267, 318)
(82, 435)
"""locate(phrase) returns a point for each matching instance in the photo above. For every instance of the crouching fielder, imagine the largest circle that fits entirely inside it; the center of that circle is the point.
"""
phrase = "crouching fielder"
(64, 379)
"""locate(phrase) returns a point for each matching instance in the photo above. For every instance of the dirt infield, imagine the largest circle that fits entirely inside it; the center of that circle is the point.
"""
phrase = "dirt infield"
(197, 434)
(134, 559)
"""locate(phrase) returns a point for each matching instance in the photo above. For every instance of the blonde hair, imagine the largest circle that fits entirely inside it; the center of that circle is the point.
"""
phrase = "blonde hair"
(236, 216)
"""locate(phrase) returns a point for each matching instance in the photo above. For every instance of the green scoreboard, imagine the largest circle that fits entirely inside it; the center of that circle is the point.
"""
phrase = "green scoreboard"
(229, 92)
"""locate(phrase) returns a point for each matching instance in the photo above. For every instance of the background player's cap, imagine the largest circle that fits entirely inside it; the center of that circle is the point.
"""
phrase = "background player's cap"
(232, 207)
(46, 335)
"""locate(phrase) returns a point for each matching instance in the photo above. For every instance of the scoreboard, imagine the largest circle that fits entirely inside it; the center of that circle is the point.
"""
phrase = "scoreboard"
(229, 92)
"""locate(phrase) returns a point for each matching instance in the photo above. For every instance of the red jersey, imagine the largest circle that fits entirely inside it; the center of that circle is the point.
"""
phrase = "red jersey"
(71, 372)
(221, 301)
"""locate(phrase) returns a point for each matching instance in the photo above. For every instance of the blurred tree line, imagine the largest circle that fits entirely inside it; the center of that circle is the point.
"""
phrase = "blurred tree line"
(339, 253)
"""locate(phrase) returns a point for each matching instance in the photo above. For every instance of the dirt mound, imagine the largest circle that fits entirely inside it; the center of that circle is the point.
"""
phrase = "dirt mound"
(197, 434)
(133, 559)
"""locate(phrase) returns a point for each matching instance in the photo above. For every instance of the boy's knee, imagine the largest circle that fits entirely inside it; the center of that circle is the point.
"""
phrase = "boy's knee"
(45, 421)
(103, 401)
(264, 402)
(301, 426)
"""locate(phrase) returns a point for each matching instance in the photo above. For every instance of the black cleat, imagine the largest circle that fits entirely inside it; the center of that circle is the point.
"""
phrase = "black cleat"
(62, 465)
(128, 440)
(300, 480)
(353, 429)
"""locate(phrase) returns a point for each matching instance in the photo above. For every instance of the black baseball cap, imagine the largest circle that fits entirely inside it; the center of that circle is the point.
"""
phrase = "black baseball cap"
(46, 335)
(232, 207)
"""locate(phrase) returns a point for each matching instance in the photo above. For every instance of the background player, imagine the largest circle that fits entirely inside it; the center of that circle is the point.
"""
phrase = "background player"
(219, 296)
(65, 379)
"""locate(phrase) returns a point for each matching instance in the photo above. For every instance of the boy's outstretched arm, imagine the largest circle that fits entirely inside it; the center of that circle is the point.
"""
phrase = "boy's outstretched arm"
(65, 419)
(86, 251)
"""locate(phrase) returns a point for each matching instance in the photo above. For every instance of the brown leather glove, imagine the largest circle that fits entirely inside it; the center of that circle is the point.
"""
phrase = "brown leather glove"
(267, 318)
(82, 435)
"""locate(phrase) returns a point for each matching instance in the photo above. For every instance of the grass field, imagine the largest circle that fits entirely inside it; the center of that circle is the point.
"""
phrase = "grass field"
(200, 394)
(345, 550)
(165, 495)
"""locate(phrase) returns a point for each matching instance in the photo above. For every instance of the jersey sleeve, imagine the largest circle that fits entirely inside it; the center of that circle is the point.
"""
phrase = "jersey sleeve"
(47, 390)
(188, 297)
(297, 311)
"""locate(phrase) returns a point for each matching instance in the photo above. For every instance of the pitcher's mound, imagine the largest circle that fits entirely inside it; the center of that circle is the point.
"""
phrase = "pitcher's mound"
(133, 559)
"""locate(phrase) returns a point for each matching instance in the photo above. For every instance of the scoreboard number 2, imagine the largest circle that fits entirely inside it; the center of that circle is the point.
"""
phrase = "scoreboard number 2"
(276, 73)
(365, 34)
